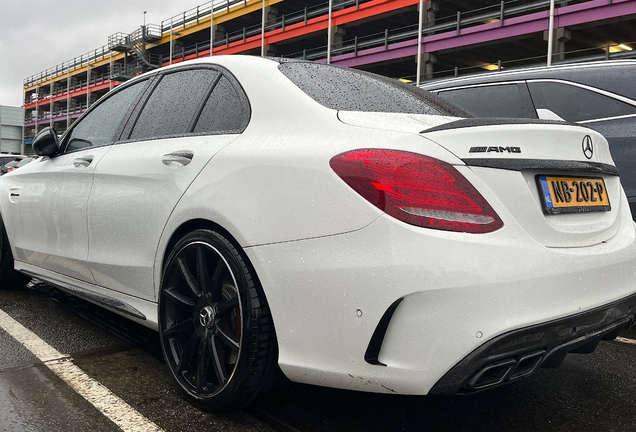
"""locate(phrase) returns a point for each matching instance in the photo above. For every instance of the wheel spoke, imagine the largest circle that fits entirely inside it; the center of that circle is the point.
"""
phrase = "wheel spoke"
(202, 362)
(173, 295)
(179, 328)
(216, 286)
(226, 336)
(188, 351)
(227, 306)
(188, 277)
(217, 361)
(202, 269)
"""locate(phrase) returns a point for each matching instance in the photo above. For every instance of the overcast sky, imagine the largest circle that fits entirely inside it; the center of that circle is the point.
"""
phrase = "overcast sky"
(39, 34)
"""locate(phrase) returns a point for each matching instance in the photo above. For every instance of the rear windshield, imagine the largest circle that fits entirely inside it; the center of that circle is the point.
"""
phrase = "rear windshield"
(346, 89)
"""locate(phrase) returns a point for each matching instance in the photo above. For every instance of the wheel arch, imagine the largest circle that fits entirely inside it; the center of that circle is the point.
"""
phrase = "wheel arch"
(200, 223)
(192, 225)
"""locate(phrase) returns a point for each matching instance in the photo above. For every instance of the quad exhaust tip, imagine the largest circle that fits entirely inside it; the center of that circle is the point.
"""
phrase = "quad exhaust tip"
(505, 371)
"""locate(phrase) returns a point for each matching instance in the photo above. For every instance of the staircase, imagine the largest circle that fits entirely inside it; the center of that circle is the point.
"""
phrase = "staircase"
(135, 45)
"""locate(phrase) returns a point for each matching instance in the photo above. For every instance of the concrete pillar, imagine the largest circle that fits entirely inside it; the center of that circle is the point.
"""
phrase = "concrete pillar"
(88, 85)
(269, 51)
(52, 106)
(430, 11)
(427, 66)
(219, 33)
(37, 108)
(269, 15)
(337, 36)
(561, 37)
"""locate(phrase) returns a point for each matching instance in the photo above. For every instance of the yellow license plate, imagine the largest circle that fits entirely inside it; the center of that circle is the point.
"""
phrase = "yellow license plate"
(573, 194)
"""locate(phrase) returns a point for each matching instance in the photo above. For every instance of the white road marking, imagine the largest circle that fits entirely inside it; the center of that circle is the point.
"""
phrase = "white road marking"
(118, 411)
(625, 340)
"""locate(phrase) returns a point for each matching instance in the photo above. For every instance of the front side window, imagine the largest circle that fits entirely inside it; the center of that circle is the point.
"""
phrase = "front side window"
(174, 104)
(101, 126)
(576, 104)
(347, 89)
(503, 100)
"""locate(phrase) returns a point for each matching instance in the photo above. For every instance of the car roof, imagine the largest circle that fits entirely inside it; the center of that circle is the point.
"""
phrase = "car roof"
(615, 76)
(229, 61)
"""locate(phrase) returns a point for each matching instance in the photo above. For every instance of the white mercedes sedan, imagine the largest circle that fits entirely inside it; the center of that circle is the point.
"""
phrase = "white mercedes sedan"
(274, 218)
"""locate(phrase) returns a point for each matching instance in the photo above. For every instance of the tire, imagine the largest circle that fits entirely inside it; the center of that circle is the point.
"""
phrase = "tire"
(8, 276)
(215, 327)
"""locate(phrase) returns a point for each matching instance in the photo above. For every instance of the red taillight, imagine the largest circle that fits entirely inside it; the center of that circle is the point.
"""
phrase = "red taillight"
(416, 189)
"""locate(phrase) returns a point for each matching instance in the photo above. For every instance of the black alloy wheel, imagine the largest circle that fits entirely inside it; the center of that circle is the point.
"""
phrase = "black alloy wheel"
(215, 328)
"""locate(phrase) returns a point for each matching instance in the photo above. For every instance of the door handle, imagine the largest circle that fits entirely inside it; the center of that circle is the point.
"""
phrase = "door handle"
(83, 161)
(180, 157)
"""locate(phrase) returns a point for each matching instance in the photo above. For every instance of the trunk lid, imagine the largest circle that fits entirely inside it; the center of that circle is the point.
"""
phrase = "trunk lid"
(523, 161)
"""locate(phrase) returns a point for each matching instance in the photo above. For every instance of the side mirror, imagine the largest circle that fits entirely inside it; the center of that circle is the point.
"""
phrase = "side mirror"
(46, 143)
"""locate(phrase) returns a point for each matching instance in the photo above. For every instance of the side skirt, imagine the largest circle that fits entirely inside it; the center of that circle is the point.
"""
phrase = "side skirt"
(99, 299)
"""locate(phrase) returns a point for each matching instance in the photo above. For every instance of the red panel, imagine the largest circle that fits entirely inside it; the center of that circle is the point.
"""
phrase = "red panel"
(74, 93)
(340, 17)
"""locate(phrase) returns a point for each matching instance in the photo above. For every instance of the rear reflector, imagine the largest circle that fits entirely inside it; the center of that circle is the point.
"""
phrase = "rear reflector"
(416, 189)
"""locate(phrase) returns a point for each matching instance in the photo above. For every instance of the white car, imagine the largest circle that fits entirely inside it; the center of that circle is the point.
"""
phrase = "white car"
(347, 230)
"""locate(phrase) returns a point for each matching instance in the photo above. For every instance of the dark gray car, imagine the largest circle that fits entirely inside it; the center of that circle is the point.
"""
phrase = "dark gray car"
(600, 95)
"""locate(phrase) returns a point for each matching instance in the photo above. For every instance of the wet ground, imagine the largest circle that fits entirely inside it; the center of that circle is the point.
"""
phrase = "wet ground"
(595, 392)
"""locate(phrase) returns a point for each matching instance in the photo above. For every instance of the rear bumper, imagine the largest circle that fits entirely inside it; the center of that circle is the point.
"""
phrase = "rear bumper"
(517, 354)
(457, 294)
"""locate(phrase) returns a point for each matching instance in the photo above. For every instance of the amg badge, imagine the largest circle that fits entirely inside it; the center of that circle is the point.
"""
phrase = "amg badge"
(495, 149)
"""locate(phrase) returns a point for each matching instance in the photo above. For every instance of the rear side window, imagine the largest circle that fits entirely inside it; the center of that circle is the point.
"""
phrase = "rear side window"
(576, 104)
(352, 90)
(101, 125)
(504, 100)
(174, 103)
(226, 110)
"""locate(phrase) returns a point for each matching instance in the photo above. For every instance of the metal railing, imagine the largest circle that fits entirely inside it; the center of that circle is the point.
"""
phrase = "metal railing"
(44, 115)
(75, 85)
(460, 21)
(123, 41)
(569, 57)
(80, 61)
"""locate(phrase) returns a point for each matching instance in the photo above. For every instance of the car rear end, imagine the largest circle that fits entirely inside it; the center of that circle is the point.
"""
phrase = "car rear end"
(564, 280)
(465, 264)
(464, 286)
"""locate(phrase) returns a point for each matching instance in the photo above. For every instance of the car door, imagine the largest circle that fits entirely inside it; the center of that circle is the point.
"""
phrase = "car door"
(52, 193)
(191, 114)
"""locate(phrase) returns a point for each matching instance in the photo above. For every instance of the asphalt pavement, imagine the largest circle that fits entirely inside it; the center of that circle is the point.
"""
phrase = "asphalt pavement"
(595, 392)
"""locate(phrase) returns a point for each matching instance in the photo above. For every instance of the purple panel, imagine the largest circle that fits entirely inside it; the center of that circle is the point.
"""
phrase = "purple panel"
(602, 11)
(533, 23)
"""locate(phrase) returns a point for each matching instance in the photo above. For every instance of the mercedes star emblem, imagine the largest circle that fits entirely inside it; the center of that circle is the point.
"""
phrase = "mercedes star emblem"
(588, 148)
(207, 316)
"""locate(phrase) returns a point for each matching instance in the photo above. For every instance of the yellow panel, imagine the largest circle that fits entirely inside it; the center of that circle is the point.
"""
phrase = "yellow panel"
(219, 18)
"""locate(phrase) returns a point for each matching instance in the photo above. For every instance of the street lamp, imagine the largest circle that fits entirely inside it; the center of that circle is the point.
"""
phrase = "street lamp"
(145, 19)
